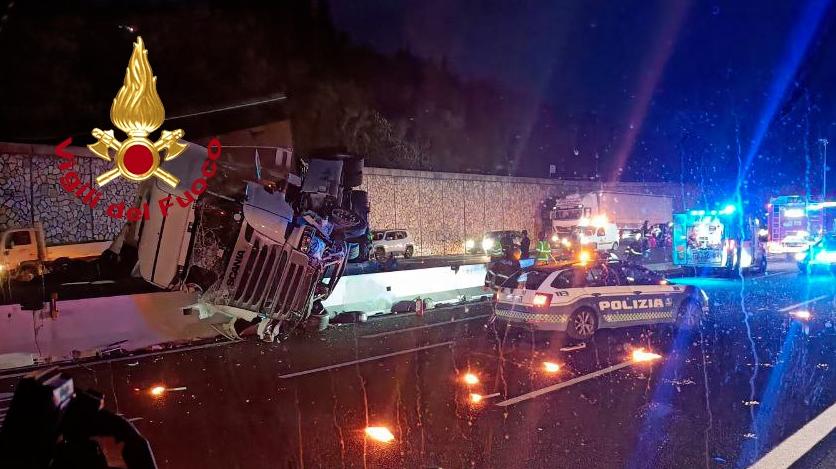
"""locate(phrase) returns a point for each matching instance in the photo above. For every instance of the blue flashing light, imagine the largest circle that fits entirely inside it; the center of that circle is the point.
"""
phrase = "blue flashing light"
(696, 213)
(728, 210)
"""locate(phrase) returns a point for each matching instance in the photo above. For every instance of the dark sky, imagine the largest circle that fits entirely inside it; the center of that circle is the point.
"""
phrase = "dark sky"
(650, 79)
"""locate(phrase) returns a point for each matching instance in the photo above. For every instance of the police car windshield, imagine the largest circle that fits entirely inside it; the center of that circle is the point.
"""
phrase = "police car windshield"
(532, 278)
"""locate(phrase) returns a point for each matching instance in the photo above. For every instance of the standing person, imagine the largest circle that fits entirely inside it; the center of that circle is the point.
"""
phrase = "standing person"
(645, 232)
(525, 245)
(543, 249)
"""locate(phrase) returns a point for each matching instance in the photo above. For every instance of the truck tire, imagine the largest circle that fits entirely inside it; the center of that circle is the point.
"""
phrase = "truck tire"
(353, 172)
(408, 252)
(360, 203)
(348, 224)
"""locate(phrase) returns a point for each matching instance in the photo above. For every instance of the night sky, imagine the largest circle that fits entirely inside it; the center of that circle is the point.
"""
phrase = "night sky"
(645, 84)
(630, 89)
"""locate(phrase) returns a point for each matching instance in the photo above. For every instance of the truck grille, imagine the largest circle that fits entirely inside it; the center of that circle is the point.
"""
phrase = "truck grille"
(274, 279)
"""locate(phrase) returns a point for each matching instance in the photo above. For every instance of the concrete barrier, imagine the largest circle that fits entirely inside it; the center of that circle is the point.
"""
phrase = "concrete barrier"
(88, 325)
(138, 321)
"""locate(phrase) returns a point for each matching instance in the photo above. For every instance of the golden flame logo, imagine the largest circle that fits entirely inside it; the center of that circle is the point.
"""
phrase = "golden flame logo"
(137, 110)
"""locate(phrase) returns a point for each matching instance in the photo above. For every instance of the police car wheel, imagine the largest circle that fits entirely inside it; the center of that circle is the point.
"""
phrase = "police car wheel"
(582, 324)
(689, 314)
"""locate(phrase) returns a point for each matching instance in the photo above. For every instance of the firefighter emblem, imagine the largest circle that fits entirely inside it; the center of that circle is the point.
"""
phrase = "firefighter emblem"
(137, 111)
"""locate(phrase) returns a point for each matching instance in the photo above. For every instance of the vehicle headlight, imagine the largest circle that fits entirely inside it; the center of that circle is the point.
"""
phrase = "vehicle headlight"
(555, 238)
(800, 256)
(566, 243)
(826, 256)
(487, 244)
(469, 244)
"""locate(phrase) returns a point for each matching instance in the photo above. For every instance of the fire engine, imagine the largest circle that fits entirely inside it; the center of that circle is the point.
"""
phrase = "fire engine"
(794, 222)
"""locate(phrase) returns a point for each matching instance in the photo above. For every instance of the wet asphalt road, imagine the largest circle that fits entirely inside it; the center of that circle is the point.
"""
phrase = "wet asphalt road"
(707, 403)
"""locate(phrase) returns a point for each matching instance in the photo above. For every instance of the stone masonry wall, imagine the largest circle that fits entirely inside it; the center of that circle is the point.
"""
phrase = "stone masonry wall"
(442, 210)
(30, 192)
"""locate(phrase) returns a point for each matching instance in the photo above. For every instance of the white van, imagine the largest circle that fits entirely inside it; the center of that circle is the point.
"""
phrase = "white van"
(603, 237)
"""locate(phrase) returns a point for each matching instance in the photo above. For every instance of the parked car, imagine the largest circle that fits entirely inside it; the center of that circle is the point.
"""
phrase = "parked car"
(385, 242)
(493, 242)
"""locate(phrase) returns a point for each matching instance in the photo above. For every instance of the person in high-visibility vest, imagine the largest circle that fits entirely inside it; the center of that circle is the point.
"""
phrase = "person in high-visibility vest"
(544, 251)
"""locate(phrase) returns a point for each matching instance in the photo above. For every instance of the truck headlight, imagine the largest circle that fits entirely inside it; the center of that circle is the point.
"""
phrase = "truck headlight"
(487, 244)
(469, 244)
(555, 238)
(800, 256)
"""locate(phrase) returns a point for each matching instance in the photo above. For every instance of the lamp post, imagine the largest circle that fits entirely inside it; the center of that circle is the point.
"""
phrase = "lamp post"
(824, 142)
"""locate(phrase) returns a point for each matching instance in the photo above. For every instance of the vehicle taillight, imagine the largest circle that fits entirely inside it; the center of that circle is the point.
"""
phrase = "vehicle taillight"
(542, 299)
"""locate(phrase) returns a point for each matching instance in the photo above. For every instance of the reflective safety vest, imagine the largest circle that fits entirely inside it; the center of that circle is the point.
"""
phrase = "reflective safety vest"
(544, 251)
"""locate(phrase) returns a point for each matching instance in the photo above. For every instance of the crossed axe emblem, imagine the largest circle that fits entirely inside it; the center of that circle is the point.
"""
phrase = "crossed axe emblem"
(142, 153)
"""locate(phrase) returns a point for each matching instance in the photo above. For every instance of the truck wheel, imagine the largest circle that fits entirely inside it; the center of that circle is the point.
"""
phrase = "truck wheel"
(347, 223)
(582, 324)
(353, 172)
(408, 252)
(26, 274)
(379, 254)
(360, 203)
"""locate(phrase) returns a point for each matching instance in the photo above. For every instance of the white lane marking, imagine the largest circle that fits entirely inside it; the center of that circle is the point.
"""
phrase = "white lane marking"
(363, 360)
(799, 443)
(798, 305)
(773, 274)
(426, 326)
(580, 346)
(564, 384)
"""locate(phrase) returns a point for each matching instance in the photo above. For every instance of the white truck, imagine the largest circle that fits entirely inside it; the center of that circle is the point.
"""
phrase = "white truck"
(25, 253)
(565, 216)
(627, 210)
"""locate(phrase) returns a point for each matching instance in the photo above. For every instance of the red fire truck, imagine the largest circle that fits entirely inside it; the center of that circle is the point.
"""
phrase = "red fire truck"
(794, 222)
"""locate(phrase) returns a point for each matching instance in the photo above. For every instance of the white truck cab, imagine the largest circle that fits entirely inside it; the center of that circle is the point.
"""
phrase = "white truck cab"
(25, 253)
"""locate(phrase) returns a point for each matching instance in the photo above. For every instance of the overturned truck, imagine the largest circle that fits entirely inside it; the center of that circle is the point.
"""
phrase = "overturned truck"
(262, 246)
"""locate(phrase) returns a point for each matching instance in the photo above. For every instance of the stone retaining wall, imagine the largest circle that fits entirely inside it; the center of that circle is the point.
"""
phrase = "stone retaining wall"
(30, 192)
(442, 210)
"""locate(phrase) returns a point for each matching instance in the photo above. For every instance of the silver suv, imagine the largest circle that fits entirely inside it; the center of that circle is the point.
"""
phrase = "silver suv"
(385, 242)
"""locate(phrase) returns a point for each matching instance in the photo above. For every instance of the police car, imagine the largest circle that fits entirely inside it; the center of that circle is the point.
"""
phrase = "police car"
(580, 298)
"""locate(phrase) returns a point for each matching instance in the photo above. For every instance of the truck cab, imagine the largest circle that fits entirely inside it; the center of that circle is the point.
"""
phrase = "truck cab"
(24, 254)
(257, 251)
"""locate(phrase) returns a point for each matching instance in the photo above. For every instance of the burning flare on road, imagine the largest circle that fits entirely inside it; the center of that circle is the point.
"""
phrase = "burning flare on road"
(381, 434)
(470, 379)
(640, 355)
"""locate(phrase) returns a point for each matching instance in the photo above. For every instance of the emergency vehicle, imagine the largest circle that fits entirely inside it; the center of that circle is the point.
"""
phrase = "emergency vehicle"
(581, 297)
(718, 240)
(795, 222)
(820, 256)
